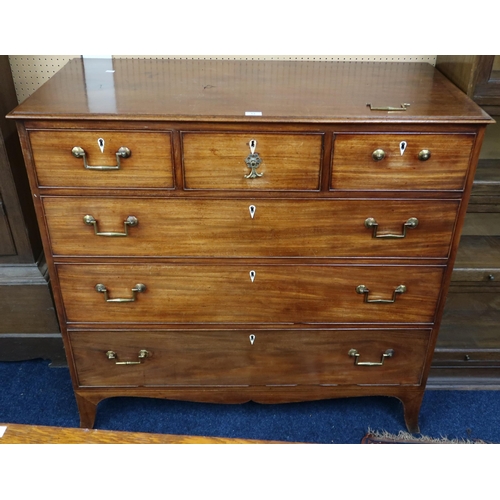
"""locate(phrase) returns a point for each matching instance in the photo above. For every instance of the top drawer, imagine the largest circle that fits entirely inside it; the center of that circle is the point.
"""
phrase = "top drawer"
(401, 162)
(146, 164)
(225, 161)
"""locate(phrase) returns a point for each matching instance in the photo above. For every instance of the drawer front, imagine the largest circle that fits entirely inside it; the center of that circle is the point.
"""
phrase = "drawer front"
(217, 161)
(250, 228)
(195, 358)
(354, 167)
(235, 293)
(148, 166)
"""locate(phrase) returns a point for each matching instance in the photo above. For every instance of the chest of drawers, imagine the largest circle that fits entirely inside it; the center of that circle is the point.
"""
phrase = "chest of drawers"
(226, 231)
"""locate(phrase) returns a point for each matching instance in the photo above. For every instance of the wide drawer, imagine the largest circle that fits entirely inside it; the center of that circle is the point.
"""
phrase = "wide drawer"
(253, 293)
(148, 166)
(217, 161)
(355, 168)
(249, 228)
(209, 358)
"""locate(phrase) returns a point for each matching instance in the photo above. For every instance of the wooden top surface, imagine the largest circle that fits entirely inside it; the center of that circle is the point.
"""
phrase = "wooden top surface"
(224, 90)
(38, 434)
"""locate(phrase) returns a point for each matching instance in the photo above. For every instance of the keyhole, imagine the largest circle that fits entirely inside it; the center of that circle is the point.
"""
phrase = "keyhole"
(252, 276)
(100, 141)
(252, 209)
(252, 338)
(253, 145)
(402, 147)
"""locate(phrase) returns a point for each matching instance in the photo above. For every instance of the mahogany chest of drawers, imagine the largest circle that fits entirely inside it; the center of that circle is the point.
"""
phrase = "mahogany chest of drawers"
(226, 231)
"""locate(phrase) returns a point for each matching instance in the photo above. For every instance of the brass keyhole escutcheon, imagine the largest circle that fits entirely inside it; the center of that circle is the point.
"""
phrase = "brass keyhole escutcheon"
(253, 161)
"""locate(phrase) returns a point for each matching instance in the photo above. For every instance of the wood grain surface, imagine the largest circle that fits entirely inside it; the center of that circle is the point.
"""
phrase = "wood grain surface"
(41, 434)
(214, 358)
(225, 293)
(225, 227)
(149, 165)
(217, 161)
(353, 165)
(210, 90)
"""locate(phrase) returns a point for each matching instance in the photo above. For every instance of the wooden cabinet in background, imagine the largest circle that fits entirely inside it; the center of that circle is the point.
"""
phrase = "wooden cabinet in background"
(468, 348)
(28, 323)
(477, 76)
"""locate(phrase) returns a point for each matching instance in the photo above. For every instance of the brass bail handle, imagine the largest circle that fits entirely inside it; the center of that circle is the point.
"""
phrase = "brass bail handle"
(355, 354)
(402, 107)
(143, 354)
(123, 152)
(371, 223)
(139, 288)
(253, 161)
(130, 221)
(362, 289)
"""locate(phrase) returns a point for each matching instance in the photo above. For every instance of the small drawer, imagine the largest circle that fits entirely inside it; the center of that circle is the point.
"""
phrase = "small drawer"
(249, 227)
(248, 358)
(478, 260)
(103, 159)
(470, 326)
(249, 294)
(463, 357)
(224, 161)
(401, 162)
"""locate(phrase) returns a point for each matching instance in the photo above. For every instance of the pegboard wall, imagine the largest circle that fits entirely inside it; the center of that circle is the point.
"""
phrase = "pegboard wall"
(30, 72)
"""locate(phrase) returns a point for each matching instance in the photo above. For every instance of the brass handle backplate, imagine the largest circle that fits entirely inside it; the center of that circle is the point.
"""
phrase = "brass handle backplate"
(79, 152)
(128, 222)
(137, 289)
(253, 161)
(371, 223)
(143, 354)
(361, 289)
(387, 354)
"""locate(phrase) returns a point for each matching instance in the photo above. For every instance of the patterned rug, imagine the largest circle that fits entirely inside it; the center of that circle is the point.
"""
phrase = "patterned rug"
(377, 437)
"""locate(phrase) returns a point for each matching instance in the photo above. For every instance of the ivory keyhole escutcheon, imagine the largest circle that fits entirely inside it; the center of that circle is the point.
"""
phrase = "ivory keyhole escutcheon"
(252, 209)
(402, 147)
(252, 338)
(252, 276)
(100, 142)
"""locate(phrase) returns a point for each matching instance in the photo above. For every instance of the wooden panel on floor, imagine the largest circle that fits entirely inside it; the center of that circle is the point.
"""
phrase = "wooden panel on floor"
(38, 434)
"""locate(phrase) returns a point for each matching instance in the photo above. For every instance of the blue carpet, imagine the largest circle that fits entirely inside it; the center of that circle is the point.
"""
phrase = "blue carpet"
(33, 393)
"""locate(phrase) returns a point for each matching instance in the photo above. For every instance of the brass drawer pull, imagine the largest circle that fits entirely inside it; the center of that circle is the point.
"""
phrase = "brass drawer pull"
(129, 222)
(378, 155)
(137, 289)
(424, 155)
(253, 161)
(143, 354)
(403, 107)
(354, 353)
(371, 223)
(79, 152)
(361, 289)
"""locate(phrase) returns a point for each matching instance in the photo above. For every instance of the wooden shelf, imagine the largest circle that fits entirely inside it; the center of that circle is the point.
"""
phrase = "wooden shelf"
(481, 224)
(477, 252)
(487, 177)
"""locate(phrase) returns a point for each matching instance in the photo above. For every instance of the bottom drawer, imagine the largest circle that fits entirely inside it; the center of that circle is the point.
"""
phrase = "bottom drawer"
(248, 357)
(470, 327)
